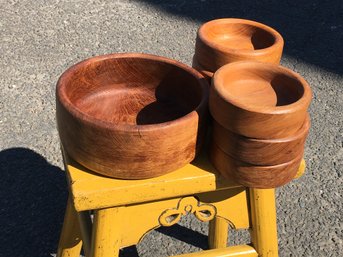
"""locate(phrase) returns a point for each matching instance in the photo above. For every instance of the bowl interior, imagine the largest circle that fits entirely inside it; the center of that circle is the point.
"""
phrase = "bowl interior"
(134, 91)
(256, 85)
(237, 35)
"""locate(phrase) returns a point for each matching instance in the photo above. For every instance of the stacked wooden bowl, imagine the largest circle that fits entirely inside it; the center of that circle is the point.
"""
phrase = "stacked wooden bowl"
(228, 40)
(135, 116)
(259, 109)
(260, 123)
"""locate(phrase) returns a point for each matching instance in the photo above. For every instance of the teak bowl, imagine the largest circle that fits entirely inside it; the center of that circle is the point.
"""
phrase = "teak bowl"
(131, 115)
(251, 175)
(261, 151)
(228, 40)
(259, 100)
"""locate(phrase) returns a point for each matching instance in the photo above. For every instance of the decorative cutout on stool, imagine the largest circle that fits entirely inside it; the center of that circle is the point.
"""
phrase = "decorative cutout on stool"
(203, 212)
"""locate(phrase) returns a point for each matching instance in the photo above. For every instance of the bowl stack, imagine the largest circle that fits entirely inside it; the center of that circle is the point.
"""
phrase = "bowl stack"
(260, 123)
(259, 109)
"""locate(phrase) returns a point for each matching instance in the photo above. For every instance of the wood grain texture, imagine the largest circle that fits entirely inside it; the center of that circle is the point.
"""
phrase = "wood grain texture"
(259, 100)
(261, 151)
(131, 116)
(253, 176)
(228, 40)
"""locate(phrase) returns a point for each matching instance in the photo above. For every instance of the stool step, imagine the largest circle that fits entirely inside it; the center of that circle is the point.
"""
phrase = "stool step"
(232, 251)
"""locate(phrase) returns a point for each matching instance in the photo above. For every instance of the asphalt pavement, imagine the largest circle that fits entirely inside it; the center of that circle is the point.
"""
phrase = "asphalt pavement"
(40, 39)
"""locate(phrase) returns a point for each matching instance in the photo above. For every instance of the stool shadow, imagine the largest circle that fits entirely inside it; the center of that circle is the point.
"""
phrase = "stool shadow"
(186, 235)
(33, 196)
(130, 251)
(178, 232)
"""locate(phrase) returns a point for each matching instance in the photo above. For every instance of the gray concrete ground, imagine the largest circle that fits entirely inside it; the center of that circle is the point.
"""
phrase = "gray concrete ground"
(40, 39)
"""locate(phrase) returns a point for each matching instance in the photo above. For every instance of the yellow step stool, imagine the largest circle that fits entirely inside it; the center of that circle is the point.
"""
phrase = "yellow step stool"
(125, 210)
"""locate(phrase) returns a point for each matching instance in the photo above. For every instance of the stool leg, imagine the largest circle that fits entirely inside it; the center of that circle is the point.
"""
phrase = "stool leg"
(70, 240)
(263, 222)
(106, 233)
(86, 230)
(218, 233)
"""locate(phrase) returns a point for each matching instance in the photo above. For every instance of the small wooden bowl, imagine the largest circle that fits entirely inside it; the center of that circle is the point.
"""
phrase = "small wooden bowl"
(254, 176)
(224, 41)
(259, 100)
(131, 116)
(261, 151)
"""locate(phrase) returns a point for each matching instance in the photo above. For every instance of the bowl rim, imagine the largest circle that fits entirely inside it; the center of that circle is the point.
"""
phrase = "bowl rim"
(92, 121)
(217, 85)
(279, 42)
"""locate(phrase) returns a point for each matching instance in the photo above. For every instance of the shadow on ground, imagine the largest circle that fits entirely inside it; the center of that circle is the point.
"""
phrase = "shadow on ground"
(33, 196)
(313, 30)
(177, 232)
(185, 234)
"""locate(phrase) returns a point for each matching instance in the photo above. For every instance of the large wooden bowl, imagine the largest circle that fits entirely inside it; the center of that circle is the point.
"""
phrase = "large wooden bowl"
(224, 41)
(259, 100)
(252, 175)
(261, 151)
(131, 116)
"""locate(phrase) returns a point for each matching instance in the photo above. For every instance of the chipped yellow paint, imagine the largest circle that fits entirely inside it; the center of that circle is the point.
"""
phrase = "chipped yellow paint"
(137, 220)
(203, 212)
(263, 222)
(70, 240)
(92, 191)
(125, 210)
(232, 251)
(106, 236)
(218, 233)
(231, 205)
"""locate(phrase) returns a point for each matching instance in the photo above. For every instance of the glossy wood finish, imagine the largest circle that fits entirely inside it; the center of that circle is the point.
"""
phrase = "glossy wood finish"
(251, 175)
(131, 116)
(224, 41)
(261, 151)
(259, 100)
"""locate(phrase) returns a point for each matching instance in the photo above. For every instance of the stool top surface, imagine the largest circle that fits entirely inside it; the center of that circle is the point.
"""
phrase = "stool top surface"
(93, 191)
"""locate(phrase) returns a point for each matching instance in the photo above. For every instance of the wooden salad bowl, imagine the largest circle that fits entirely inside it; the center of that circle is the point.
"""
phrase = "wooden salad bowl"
(131, 115)
(259, 100)
(253, 175)
(228, 40)
(261, 151)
